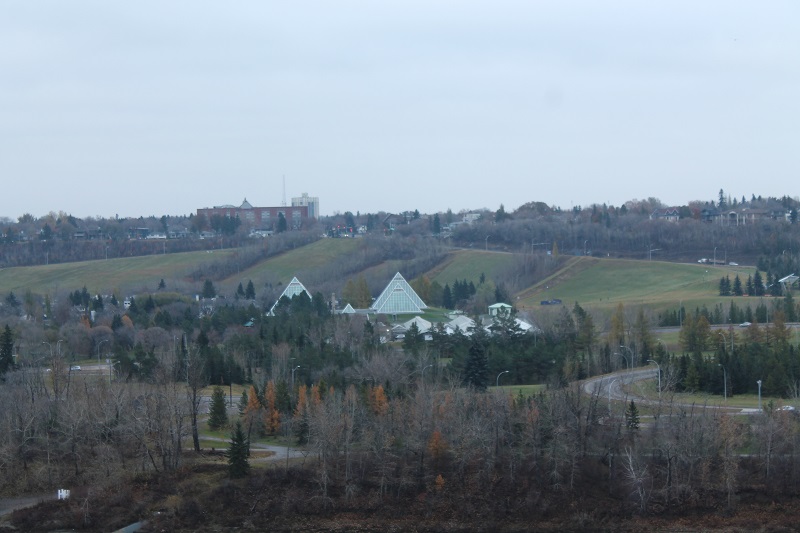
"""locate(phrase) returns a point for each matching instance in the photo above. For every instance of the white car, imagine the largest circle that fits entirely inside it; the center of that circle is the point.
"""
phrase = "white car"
(745, 325)
(75, 367)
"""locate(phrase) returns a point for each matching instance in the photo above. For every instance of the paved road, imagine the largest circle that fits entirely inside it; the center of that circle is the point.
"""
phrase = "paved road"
(9, 505)
(610, 386)
(281, 452)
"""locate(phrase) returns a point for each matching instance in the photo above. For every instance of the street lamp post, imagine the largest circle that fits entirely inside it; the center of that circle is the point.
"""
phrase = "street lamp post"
(759, 394)
(111, 370)
(715, 256)
(725, 382)
(487, 243)
(610, 387)
(423, 372)
(99, 344)
(633, 356)
(723, 339)
(497, 381)
(627, 363)
(295, 368)
(659, 375)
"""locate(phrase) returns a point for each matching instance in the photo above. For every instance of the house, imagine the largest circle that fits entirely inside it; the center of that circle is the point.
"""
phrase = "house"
(710, 214)
(670, 214)
(461, 323)
(500, 309)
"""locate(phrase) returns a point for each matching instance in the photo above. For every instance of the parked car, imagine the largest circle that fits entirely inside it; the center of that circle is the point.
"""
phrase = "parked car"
(744, 325)
(75, 367)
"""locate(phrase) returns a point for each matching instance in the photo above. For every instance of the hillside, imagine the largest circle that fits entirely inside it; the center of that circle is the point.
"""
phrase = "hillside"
(103, 276)
(603, 283)
(596, 283)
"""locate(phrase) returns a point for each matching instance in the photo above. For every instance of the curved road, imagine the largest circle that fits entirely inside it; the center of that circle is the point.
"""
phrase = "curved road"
(610, 386)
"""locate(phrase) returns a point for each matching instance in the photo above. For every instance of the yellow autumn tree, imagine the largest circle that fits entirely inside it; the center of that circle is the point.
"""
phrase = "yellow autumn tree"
(252, 413)
(272, 416)
(378, 401)
(437, 445)
(616, 333)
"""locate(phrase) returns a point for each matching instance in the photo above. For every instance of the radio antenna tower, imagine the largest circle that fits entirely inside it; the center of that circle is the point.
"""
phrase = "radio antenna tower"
(283, 201)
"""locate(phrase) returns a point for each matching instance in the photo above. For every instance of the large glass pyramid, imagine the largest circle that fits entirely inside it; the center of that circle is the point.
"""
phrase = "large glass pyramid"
(397, 298)
(292, 289)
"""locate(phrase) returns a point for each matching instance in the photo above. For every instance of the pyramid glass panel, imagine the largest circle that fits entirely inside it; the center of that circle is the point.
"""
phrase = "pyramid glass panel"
(397, 298)
(292, 289)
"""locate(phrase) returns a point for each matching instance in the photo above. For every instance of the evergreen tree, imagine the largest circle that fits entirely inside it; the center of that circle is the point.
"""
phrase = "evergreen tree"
(789, 310)
(281, 223)
(218, 414)
(12, 300)
(758, 284)
(250, 291)
(632, 417)
(749, 286)
(476, 369)
(240, 290)
(737, 286)
(208, 289)
(238, 465)
(243, 401)
(725, 286)
(162, 285)
(447, 298)
(6, 350)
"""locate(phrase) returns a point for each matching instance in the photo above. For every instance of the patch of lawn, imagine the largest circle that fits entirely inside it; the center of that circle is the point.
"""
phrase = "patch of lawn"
(525, 390)
(603, 283)
(104, 276)
(469, 265)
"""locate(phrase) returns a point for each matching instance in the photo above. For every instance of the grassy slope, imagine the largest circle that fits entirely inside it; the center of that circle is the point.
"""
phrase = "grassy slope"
(284, 267)
(595, 283)
(469, 264)
(105, 275)
(603, 283)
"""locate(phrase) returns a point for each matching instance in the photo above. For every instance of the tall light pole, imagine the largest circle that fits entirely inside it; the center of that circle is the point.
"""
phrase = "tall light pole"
(725, 382)
(295, 368)
(487, 243)
(627, 363)
(99, 344)
(111, 370)
(610, 386)
(759, 394)
(423, 372)
(633, 355)
(659, 375)
(715, 256)
(497, 381)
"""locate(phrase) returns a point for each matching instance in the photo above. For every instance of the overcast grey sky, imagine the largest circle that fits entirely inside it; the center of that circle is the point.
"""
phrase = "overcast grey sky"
(151, 108)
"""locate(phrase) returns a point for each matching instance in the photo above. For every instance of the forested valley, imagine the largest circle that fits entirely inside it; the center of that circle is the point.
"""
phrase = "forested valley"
(110, 395)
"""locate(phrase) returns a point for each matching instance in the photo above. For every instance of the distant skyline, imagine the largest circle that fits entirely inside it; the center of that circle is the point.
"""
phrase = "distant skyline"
(152, 108)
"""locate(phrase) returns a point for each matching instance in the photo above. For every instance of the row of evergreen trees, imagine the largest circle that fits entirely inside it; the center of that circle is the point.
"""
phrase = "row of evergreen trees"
(754, 286)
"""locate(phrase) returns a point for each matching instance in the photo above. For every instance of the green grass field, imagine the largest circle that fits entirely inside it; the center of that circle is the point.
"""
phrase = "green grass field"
(284, 267)
(469, 265)
(104, 276)
(603, 283)
(525, 390)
